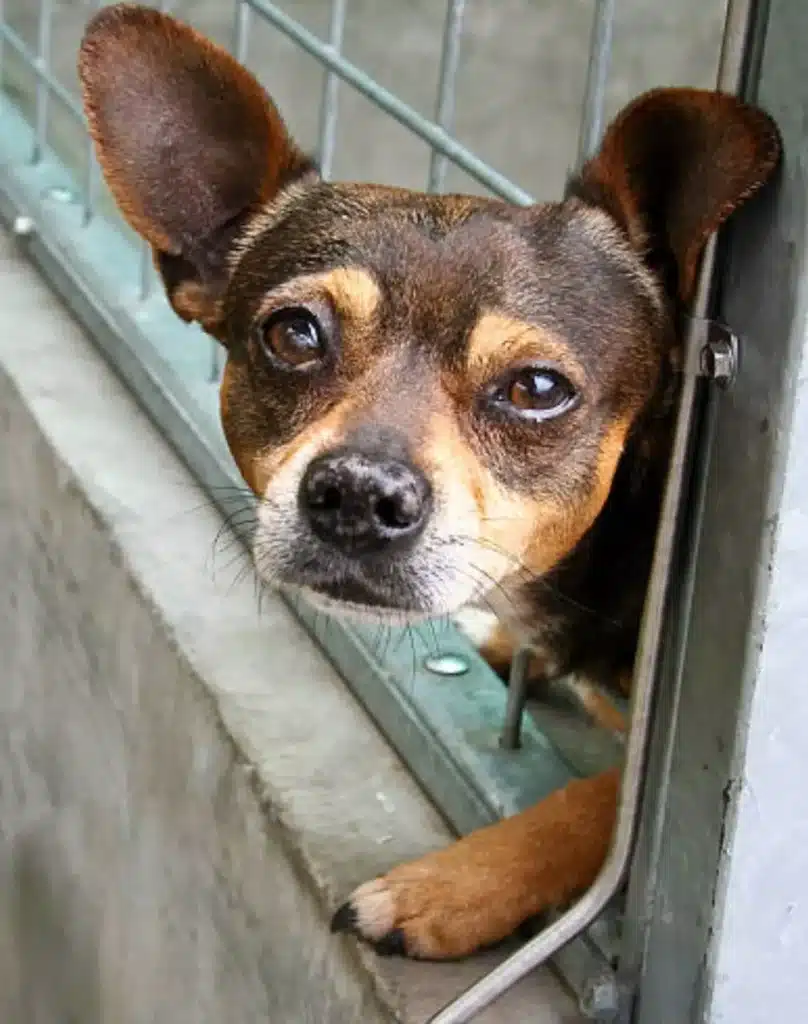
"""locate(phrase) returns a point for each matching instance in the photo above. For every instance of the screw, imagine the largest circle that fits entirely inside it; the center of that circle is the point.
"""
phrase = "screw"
(599, 999)
(447, 664)
(23, 226)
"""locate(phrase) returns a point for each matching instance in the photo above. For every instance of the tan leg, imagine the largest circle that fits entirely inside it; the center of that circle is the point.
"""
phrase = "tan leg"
(479, 890)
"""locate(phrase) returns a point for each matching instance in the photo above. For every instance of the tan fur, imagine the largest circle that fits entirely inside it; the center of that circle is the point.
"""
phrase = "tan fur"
(351, 290)
(477, 891)
(499, 649)
(276, 474)
(556, 535)
(597, 705)
(500, 341)
(192, 302)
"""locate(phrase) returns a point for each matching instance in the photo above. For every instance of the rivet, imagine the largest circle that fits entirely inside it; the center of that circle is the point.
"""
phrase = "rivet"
(447, 664)
(23, 226)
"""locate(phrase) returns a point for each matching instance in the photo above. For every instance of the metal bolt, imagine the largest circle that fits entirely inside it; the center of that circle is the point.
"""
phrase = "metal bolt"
(719, 357)
(23, 226)
(600, 999)
(447, 664)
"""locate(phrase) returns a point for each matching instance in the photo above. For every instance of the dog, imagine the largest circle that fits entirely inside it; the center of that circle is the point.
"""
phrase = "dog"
(439, 401)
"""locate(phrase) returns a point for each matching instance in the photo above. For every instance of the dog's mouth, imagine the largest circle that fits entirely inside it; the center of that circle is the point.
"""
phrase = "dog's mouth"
(353, 594)
(430, 579)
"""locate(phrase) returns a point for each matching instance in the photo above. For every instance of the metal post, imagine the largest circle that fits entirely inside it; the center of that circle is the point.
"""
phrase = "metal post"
(444, 111)
(42, 85)
(91, 169)
(600, 52)
(329, 107)
(517, 698)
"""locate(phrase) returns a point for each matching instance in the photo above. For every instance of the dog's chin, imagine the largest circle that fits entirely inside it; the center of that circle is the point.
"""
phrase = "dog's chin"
(360, 611)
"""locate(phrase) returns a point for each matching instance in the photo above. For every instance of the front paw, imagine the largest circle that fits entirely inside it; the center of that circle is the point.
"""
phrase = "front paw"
(480, 889)
(426, 910)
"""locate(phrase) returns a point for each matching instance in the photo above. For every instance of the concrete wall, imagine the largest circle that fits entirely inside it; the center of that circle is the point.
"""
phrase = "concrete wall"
(186, 789)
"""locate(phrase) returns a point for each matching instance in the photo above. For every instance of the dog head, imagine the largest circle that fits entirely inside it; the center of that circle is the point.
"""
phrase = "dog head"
(428, 395)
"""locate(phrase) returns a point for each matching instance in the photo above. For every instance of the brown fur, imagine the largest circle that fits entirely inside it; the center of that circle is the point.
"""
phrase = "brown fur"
(491, 881)
(427, 309)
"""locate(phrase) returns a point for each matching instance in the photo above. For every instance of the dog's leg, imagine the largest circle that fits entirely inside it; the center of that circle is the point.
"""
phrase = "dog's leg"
(479, 890)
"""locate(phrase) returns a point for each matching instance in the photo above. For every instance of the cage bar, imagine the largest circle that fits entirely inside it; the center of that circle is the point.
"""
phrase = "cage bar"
(447, 87)
(329, 106)
(600, 51)
(433, 135)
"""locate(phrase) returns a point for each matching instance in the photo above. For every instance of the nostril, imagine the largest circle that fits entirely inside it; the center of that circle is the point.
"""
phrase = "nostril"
(328, 499)
(399, 512)
(388, 513)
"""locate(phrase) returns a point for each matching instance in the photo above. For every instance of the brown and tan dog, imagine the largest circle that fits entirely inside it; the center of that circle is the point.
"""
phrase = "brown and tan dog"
(439, 401)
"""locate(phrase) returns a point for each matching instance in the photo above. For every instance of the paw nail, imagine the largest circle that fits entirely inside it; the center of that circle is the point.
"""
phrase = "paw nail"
(344, 920)
(393, 944)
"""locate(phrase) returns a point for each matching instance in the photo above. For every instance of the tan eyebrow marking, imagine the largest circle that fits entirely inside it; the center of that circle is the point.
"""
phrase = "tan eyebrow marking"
(497, 339)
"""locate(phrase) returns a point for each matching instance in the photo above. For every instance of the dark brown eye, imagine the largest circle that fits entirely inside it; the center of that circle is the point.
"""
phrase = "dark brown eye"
(292, 338)
(536, 394)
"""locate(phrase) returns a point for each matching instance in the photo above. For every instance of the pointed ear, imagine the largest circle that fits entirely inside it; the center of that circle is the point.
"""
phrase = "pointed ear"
(672, 168)
(188, 142)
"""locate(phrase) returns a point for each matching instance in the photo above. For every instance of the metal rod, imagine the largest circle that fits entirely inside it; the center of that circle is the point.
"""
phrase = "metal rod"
(42, 87)
(91, 182)
(445, 108)
(92, 176)
(517, 698)
(581, 915)
(2, 47)
(391, 104)
(30, 59)
(329, 108)
(241, 24)
(145, 269)
(600, 51)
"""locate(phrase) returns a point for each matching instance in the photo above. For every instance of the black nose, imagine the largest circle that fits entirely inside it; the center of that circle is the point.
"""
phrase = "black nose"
(361, 503)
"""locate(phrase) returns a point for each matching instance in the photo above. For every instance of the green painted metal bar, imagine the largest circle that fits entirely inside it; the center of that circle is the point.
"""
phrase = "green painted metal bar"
(40, 69)
(435, 136)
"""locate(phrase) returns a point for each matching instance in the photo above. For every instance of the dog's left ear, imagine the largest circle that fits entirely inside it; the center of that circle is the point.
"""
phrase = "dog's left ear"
(672, 167)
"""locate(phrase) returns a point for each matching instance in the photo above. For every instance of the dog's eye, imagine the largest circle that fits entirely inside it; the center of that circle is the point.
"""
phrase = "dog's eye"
(292, 338)
(535, 394)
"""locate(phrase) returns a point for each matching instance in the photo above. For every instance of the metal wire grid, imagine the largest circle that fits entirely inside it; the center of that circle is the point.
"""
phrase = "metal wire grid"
(436, 133)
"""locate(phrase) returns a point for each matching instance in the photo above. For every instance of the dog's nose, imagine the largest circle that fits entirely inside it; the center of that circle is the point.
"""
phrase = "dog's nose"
(361, 503)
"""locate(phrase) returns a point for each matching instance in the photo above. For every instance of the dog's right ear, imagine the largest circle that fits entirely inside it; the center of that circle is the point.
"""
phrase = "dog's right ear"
(189, 144)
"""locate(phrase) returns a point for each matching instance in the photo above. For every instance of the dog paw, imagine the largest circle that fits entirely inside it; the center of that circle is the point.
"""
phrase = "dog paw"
(430, 909)
(479, 890)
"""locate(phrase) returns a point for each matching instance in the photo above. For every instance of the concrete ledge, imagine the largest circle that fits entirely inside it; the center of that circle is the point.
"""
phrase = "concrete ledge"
(186, 788)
